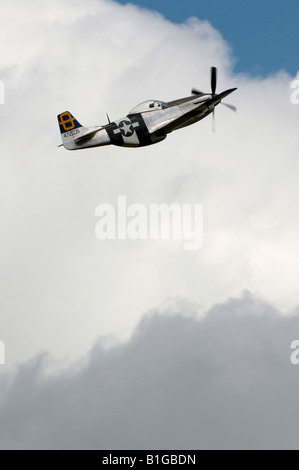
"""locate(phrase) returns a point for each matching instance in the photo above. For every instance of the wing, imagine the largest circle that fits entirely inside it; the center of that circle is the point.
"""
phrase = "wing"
(85, 136)
(179, 113)
(185, 111)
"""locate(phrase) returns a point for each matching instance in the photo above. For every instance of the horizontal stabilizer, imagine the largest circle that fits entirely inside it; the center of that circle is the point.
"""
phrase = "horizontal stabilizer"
(87, 135)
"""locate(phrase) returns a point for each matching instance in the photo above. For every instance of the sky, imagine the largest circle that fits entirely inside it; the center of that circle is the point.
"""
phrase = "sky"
(263, 34)
(94, 330)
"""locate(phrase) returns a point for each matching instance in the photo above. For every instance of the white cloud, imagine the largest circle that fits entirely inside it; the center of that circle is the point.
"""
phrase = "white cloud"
(61, 287)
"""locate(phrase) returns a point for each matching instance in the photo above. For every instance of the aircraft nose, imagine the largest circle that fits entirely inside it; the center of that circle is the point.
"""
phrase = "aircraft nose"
(226, 93)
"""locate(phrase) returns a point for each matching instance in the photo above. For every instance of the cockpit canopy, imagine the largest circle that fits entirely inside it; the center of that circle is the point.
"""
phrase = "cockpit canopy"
(150, 105)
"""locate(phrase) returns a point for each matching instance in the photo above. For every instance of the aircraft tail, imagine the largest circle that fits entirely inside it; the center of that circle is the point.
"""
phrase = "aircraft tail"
(69, 128)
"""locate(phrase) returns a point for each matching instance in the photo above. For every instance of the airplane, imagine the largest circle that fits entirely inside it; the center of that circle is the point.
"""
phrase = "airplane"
(148, 123)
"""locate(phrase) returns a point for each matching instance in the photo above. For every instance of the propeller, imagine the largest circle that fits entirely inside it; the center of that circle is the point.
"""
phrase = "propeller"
(213, 80)
(230, 106)
(213, 89)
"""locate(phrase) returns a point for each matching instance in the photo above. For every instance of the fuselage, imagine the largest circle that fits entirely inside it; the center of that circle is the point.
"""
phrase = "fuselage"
(150, 126)
(146, 124)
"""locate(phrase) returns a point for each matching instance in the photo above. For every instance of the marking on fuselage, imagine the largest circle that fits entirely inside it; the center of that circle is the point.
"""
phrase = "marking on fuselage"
(126, 128)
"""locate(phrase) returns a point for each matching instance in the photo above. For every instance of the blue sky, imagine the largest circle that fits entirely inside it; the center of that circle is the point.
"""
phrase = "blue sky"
(264, 34)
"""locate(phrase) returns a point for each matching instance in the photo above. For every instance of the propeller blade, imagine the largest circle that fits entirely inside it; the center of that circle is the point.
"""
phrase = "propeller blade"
(230, 106)
(213, 79)
(196, 92)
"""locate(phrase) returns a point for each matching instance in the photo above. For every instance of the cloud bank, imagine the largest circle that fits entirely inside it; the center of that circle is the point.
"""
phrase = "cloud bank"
(222, 382)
